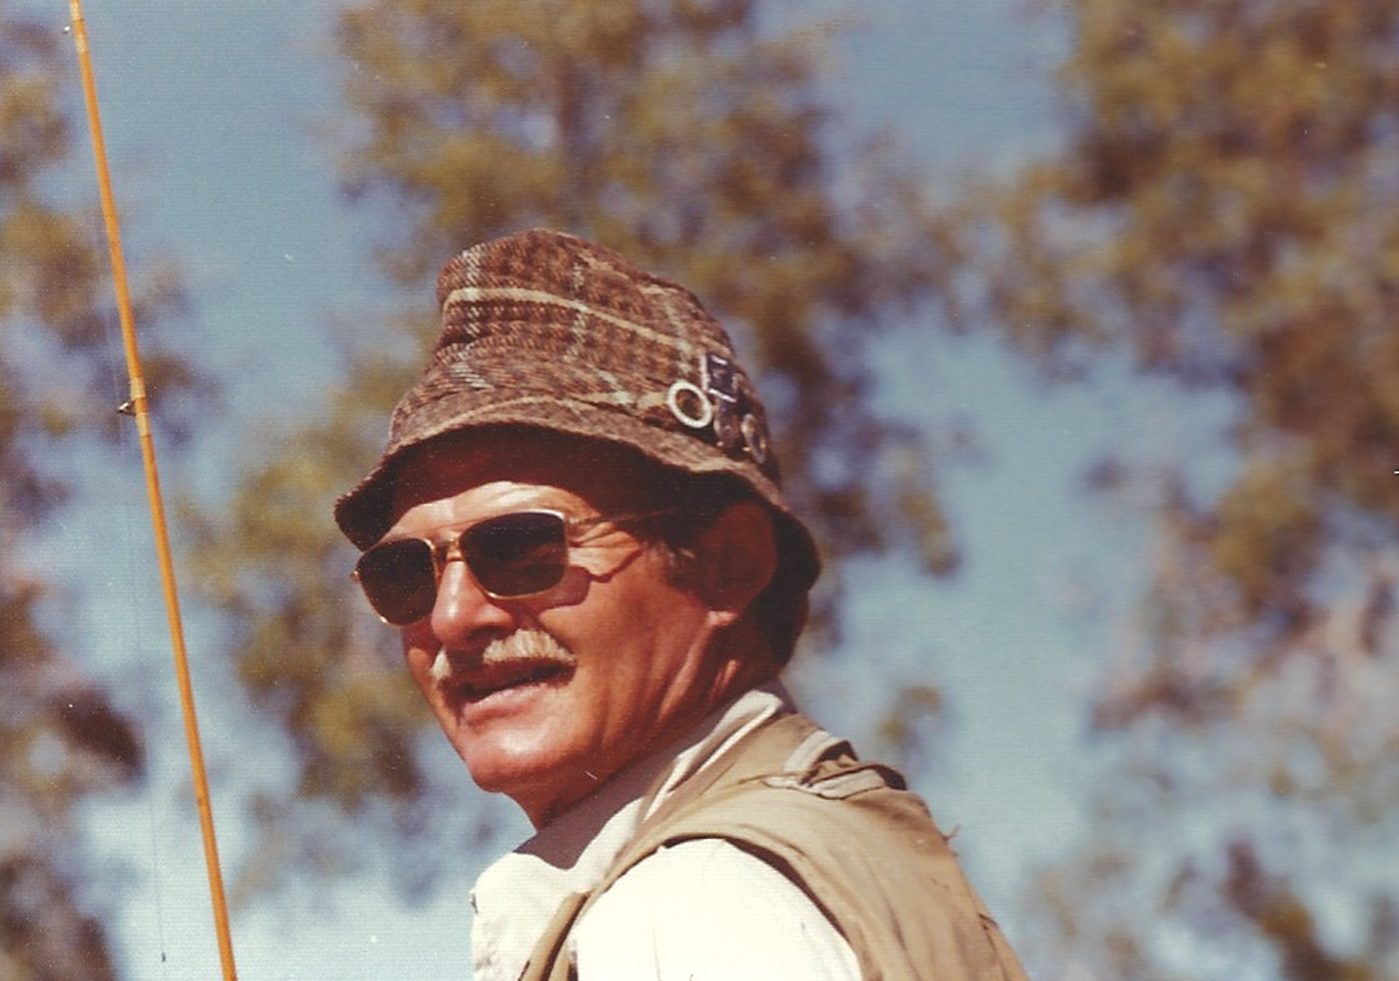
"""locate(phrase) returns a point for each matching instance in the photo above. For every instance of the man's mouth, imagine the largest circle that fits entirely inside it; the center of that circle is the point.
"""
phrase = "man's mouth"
(479, 685)
(522, 659)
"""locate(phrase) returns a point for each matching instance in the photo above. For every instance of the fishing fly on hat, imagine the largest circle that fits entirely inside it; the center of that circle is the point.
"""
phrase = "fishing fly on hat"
(547, 330)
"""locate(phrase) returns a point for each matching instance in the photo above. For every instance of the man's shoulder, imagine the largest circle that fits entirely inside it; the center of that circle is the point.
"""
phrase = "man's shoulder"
(853, 838)
(792, 786)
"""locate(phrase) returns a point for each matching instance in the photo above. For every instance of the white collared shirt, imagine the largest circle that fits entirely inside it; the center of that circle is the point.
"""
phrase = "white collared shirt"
(659, 920)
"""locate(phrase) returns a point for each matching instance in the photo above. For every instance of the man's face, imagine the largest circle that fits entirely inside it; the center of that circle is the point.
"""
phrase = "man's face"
(545, 697)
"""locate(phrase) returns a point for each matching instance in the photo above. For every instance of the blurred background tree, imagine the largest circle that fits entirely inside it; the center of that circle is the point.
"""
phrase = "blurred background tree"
(64, 739)
(1221, 212)
(696, 138)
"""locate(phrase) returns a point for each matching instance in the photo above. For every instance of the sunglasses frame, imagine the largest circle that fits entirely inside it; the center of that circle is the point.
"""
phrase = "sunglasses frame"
(443, 551)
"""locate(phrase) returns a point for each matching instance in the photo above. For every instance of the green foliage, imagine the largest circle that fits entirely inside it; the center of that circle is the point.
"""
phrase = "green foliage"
(1221, 211)
(680, 132)
(62, 737)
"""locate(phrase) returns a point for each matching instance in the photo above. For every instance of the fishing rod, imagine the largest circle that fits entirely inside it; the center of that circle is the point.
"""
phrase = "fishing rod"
(138, 409)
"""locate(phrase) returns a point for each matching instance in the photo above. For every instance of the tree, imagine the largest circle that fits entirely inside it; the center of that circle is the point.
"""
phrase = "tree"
(63, 737)
(1220, 212)
(690, 137)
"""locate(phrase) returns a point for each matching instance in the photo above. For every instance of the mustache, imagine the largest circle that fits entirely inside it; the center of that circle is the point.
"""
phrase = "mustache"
(522, 645)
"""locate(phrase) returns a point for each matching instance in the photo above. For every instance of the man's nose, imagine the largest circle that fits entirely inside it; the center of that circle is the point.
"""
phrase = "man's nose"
(462, 608)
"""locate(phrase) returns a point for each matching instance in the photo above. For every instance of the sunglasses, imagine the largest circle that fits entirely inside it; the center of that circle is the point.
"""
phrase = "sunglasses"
(511, 556)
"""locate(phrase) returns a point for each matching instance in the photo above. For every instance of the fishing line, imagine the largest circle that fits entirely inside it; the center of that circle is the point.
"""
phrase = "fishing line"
(157, 883)
(138, 409)
(122, 500)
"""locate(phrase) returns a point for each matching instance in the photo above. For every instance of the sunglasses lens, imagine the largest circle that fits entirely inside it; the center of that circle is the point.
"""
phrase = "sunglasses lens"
(517, 554)
(512, 555)
(399, 581)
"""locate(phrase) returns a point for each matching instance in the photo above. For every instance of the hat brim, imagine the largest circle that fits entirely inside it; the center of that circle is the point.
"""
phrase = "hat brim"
(364, 513)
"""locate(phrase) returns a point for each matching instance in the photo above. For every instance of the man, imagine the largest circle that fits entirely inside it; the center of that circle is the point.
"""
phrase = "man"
(577, 527)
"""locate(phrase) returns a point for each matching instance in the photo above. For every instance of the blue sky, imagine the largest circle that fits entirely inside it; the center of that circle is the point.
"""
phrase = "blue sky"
(210, 114)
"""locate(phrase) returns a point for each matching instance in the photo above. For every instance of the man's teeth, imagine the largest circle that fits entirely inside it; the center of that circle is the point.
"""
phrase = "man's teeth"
(441, 666)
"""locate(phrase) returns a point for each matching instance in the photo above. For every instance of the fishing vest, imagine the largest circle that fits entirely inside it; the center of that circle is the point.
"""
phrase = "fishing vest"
(849, 834)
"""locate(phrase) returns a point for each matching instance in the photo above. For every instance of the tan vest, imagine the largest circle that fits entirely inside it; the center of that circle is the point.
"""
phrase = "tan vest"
(861, 846)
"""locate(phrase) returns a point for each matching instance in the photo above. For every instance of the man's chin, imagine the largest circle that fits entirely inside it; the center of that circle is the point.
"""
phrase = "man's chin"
(542, 792)
(519, 763)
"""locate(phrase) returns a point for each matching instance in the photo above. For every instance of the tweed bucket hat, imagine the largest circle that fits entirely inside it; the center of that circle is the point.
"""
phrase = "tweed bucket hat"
(542, 329)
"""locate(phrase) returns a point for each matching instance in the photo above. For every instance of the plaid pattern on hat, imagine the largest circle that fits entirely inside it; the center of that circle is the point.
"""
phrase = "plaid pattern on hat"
(547, 330)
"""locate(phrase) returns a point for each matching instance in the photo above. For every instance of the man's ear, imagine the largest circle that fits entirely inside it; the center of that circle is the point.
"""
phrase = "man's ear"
(735, 558)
